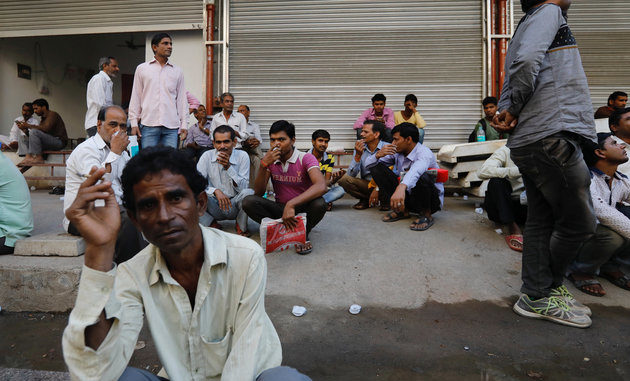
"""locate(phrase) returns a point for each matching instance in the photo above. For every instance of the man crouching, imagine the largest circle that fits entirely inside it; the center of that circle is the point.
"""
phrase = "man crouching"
(201, 290)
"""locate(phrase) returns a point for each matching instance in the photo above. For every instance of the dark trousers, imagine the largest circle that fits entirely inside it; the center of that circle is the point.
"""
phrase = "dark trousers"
(5, 249)
(128, 242)
(607, 251)
(424, 196)
(258, 208)
(501, 207)
(560, 211)
(195, 153)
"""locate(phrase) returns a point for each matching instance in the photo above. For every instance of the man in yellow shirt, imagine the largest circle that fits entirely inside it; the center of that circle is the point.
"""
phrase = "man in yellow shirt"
(411, 115)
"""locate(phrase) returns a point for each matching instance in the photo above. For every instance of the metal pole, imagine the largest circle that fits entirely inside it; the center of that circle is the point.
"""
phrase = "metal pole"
(488, 49)
(226, 39)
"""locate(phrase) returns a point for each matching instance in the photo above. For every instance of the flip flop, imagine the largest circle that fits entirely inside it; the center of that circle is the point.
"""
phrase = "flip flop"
(621, 281)
(304, 251)
(389, 217)
(422, 220)
(360, 205)
(581, 285)
(513, 240)
(384, 208)
(242, 233)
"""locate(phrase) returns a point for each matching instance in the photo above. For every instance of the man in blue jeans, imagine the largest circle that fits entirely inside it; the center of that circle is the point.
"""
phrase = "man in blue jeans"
(546, 106)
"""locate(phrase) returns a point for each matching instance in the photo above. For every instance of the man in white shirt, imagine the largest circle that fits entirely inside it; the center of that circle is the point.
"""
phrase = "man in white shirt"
(14, 135)
(252, 144)
(158, 98)
(201, 290)
(100, 91)
(106, 150)
(227, 172)
(231, 118)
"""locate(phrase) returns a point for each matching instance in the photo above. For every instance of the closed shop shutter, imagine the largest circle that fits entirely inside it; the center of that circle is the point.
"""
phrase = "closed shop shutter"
(318, 63)
(19, 18)
(602, 33)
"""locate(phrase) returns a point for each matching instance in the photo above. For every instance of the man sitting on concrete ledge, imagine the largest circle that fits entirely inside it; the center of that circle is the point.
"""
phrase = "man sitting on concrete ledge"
(297, 183)
(201, 290)
(49, 134)
(417, 190)
(106, 149)
(16, 214)
(15, 133)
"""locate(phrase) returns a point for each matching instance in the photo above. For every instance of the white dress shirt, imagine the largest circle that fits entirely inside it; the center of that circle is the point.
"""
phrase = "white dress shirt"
(253, 129)
(15, 133)
(227, 336)
(99, 94)
(92, 152)
(230, 181)
(237, 121)
(158, 97)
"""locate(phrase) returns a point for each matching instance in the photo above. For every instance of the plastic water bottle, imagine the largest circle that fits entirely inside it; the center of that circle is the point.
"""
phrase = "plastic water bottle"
(481, 134)
(133, 145)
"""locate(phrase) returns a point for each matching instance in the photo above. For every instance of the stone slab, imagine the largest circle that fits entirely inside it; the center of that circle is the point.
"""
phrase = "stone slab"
(453, 153)
(51, 244)
(462, 167)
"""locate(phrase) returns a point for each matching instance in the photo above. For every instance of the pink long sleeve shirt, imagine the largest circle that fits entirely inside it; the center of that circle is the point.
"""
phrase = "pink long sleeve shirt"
(388, 117)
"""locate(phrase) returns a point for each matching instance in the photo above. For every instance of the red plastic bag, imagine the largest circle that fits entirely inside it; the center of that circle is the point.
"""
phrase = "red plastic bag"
(275, 236)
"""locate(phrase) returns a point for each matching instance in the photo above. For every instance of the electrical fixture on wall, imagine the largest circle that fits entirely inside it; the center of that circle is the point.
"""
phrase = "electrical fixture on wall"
(24, 71)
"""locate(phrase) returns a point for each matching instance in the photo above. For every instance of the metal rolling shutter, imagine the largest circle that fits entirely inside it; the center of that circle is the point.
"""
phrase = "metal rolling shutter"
(601, 30)
(59, 17)
(318, 63)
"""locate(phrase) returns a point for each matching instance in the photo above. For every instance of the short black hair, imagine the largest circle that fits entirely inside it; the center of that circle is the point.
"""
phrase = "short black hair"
(407, 129)
(528, 4)
(377, 126)
(103, 111)
(282, 125)
(155, 40)
(379, 97)
(41, 102)
(226, 94)
(411, 97)
(589, 147)
(29, 105)
(490, 100)
(247, 107)
(612, 97)
(320, 134)
(154, 160)
(615, 117)
(222, 129)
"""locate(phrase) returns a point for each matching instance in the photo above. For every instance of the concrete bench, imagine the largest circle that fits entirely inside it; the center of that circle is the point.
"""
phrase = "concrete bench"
(51, 244)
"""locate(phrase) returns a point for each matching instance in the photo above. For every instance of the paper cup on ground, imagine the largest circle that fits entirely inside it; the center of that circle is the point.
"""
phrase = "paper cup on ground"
(355, 309)
(298, 311)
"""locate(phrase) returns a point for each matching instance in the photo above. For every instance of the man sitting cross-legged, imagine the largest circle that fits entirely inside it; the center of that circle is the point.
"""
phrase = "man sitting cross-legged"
(364, 148)
(49, 134)
(320, 139)
(227, 172)
(607, 253)
(200, 290)
(297, 183)
(417, 190)
(198, 140)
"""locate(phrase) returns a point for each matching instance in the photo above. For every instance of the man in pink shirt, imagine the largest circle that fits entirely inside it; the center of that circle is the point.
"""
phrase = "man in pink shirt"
(158, 106)
(297, 182)
(378, 112)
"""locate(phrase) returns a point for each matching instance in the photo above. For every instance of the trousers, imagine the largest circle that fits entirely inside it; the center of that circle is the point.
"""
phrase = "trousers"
(424, 196)
(38, 141)
(279, 373)
(258, 208)
(501, 207)
(236, 212)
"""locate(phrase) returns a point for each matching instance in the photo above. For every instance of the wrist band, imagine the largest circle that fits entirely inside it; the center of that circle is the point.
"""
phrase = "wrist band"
(262, 163)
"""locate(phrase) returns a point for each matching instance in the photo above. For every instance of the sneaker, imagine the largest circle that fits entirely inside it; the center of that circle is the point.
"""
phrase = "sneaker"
(551, 308)
(564, 293)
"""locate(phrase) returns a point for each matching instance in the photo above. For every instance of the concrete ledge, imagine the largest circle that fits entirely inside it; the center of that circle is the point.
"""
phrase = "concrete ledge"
(47, 284)
(58, 244)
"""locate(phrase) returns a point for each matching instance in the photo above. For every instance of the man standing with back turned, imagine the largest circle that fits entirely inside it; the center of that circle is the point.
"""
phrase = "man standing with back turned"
(546, 106)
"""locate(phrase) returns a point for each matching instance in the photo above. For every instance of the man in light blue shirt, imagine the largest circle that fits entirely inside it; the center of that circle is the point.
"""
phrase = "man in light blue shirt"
(16, 213)
(227, 172)
(364, 148)
(417, 190)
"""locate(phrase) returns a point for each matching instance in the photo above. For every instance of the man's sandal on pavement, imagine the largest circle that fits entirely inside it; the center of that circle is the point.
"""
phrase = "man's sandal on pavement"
(621, 280)
(307, 248)
(361, 205)
(415, 226)
(583, 284)
(514, 241)
(395, 216)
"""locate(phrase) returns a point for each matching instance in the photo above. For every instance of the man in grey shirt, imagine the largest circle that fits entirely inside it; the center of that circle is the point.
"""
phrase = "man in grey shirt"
(545, 105)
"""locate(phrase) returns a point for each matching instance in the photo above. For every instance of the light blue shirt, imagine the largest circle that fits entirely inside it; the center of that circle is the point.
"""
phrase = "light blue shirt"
(16, 213)
(230, 181)
(356, 166)
(414, 165)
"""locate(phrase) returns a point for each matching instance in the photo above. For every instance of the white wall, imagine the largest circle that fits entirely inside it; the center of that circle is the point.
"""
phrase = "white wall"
(188, 53)
(68, 62)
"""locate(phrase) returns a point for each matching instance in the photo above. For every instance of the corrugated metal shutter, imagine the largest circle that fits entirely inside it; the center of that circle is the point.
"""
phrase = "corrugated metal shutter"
(601, 30)
(59, 17)
(318, 63)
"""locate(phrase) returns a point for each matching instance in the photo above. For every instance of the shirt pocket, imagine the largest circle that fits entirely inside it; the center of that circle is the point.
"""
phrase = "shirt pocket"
(215, 353)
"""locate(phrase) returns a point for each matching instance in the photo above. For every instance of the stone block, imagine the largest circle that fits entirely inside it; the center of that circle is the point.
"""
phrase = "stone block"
(51, 244)
(453, 153)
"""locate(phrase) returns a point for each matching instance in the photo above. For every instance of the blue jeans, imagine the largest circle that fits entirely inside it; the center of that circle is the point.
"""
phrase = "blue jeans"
(334, 193)
(236, 212)
(279, 373)
(560, 211)
(158, 135)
